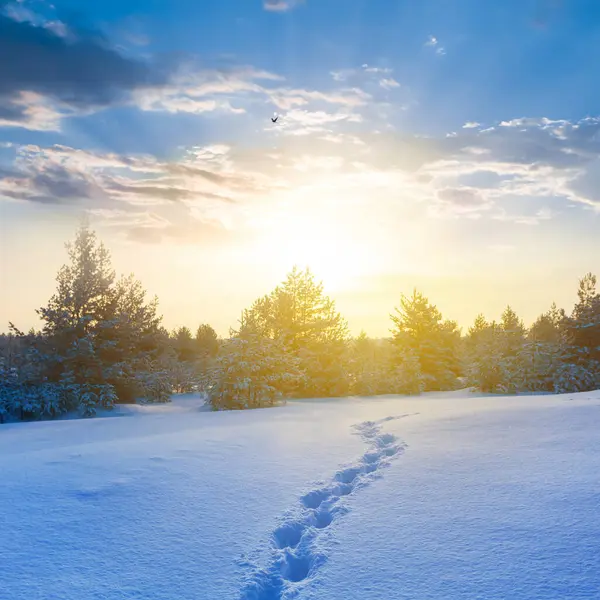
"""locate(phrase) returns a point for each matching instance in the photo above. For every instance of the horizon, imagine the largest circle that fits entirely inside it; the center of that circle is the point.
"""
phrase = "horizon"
(168, 323)
(452, 151)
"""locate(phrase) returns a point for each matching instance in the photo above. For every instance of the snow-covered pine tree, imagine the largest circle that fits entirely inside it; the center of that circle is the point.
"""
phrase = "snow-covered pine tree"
(304, 321)
(363, 365)
(419, 330)
(250, 372)
(100, 334)
(580, 370)
(207, 346)
(486, 367)
(408, 377)
(513, 333)
(134, 340)
(82, 302)
(540, 358)
(25, 393)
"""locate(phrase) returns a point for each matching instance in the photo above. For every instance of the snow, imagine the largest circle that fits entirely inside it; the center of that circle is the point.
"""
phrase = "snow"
(434, 497)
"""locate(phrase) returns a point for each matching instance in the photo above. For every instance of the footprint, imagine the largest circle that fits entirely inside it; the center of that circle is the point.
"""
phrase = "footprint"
(341, 489)
(386, 439)
(348, 475)
(370, 467)
(294, 552)
(392, 450)
(289, 534)
(315, 498)
(323, 519)
(265, 587)
(371, 457)
(296, 568)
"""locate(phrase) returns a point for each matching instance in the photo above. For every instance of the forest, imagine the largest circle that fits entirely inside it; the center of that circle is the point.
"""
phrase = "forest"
(102, 342)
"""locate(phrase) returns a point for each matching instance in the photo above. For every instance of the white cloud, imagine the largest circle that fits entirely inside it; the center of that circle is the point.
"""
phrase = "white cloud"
(340, 76)
(532, 159)
(286, 98)
(209, 91)
(433, 42)
(181, 196)
(389, 83)
(304, 122)
(377, 70)
(471, 125)
(280, 5)
(520, 174)
(34, 112)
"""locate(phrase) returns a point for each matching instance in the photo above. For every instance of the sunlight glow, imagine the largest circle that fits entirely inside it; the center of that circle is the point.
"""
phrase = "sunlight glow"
(332, 252)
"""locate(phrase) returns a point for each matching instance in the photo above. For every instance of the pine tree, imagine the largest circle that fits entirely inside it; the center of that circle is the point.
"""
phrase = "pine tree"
(486, 370)
(584, 325)
(363, 365)
(250, 372)
(83, 293)
(408, 376)
(420, 331)
(581, 358)
(513, 333)
(304, 321)
(184, 344)
(207, 341)
(99, 331)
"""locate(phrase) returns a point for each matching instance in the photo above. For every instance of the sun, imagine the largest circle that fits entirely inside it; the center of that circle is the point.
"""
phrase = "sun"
(335, 254)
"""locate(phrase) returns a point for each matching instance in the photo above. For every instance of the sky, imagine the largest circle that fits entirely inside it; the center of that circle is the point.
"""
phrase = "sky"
(447, 145)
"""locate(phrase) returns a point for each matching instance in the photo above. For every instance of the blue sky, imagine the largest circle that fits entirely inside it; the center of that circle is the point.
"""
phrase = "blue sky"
(447, 144)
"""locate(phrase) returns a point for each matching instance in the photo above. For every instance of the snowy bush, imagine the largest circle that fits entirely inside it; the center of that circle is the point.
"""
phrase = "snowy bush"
(155, 386)
(408, 377)
(251, 372)
(574, 377)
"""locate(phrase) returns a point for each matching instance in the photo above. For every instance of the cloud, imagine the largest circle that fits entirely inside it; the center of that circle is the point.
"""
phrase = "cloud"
(236, 91)
(286, 98)
(363, 74)
(32, 111)
(58, 71)
(183, 196)
(280, 5)
(80, 72)
(533, 159)
(389, 83)
(460, 201)
(433, 42)
(523, 171)
(377, 70)
(299, 122)
(462, 197)
(55, 71)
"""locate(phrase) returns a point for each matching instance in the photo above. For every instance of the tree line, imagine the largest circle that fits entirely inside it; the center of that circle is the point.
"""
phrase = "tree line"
(102, 343)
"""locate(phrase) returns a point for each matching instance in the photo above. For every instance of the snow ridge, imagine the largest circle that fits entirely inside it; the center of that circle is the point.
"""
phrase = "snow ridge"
(297, 553)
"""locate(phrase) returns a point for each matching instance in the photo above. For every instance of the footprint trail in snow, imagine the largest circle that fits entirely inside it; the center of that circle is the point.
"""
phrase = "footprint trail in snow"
(297, 553)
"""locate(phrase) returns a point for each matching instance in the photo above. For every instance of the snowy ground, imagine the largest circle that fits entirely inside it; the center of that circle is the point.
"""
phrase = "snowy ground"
(444, 497)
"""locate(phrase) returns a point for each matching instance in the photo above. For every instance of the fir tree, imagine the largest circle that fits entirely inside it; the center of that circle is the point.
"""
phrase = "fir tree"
(304, 321)
(250, 372)
(207, 341)
(420, 331)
